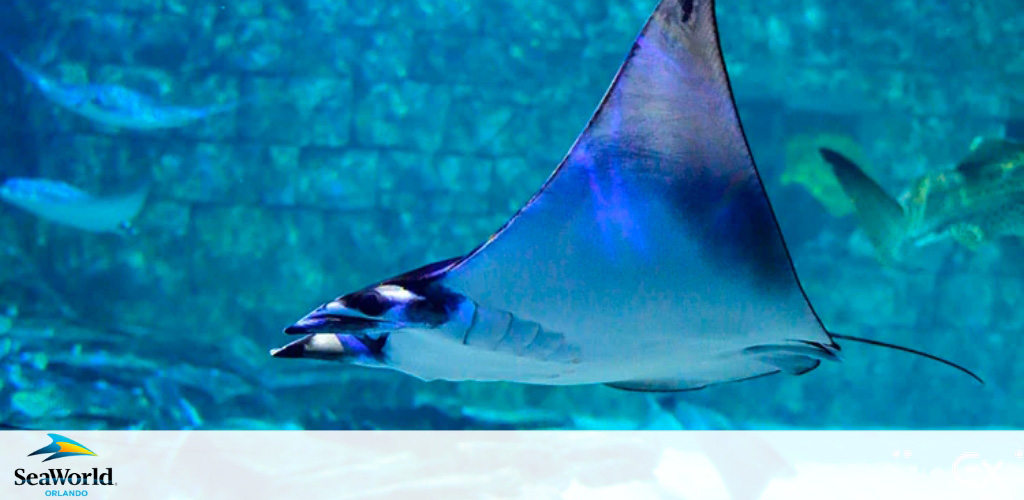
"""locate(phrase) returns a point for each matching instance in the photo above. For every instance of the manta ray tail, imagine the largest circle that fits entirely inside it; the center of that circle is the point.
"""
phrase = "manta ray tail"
(908, 350)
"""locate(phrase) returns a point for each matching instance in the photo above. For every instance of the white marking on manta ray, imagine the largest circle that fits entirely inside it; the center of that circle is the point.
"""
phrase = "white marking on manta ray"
(397, 293)
(649, 260)
(61, 203)
(115, 105)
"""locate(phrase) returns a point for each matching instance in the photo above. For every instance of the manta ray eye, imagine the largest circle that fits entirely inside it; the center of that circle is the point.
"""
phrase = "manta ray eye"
(368, 303)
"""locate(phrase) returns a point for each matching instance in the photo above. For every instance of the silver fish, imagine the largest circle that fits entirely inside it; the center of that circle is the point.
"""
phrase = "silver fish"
(61, 203)
(650, 260)
(115, 105)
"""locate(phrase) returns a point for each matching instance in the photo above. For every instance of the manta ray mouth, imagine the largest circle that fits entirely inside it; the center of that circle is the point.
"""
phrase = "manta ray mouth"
(335, 346)
(374, 344)
(335, 323)
(337, 333)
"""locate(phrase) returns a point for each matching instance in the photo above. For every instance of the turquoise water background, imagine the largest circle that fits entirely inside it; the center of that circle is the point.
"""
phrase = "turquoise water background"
(378, 136)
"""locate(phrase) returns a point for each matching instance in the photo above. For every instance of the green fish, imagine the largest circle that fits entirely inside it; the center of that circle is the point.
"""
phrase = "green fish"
(978, 201)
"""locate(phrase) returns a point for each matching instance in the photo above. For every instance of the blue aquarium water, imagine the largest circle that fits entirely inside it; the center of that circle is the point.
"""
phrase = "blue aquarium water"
(292, 151)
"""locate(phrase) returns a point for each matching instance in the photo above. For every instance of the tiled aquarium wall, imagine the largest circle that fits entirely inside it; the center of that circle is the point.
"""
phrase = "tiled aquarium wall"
(377, 136)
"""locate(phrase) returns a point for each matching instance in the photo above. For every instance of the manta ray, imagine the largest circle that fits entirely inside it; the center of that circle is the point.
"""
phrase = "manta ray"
(59, 202)
(115, 105)
(650, 260)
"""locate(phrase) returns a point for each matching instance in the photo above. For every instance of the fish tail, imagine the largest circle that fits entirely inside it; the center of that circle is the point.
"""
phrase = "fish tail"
(880, 215)
(30, 72)
(137, 198)
(16, 61)
(129, 204)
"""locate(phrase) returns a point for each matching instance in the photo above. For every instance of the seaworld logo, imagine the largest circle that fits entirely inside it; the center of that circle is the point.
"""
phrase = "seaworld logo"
(62, 447)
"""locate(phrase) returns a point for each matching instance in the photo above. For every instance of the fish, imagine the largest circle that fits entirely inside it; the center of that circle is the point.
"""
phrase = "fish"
(978, 201)
(115, 105)
(58, 202)
(650, 259)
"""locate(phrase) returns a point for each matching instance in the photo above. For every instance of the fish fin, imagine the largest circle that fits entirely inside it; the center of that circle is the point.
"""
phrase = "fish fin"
(658, 385)
(674, 385)
(659, 192)
(792, 359)
(909, 350)
(49, 85)
(788, 363)
(985, 151)
(656, 212)
(133, 202)
(791, 363)
(129, 204)
(879, 214)
(422, 274)
(627, 167)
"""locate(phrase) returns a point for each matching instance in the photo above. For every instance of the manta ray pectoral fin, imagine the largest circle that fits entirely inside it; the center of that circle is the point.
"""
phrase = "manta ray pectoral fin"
(657, 204)
(653, 238)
